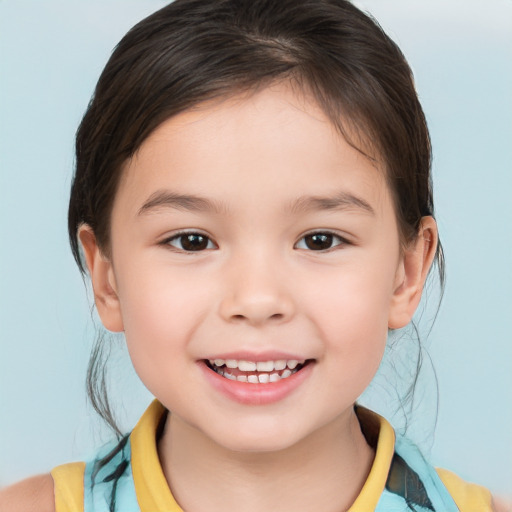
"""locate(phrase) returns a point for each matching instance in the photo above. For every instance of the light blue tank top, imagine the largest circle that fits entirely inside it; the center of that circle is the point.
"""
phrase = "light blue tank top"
(101, 483)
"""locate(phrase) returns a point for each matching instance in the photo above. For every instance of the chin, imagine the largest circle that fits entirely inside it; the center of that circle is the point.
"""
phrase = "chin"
(256, 438)
(258, 445)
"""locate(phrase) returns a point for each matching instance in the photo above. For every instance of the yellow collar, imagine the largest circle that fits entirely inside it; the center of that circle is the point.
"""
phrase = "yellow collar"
(153, 491)
(151, 487)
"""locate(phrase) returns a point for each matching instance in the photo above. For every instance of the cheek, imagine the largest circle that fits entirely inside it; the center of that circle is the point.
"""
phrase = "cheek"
(356, 297)
(161, 311)
(352, 315)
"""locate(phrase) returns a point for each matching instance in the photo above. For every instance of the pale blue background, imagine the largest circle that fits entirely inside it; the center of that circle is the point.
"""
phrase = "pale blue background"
(51, 55)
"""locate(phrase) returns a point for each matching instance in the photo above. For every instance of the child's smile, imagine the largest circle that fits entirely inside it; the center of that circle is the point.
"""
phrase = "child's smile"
(271, 379)
(256, 268)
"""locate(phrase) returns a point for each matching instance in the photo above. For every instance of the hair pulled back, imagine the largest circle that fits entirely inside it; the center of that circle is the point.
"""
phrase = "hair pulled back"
(192, 51)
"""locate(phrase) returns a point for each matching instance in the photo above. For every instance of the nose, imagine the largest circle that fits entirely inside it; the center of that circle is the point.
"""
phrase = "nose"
(255, 294)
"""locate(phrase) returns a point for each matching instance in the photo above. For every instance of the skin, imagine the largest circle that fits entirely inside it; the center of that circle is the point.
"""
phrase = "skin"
(257, 287)
(34, 494)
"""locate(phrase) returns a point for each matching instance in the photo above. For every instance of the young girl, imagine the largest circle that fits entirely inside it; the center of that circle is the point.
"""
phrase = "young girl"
(252, 201)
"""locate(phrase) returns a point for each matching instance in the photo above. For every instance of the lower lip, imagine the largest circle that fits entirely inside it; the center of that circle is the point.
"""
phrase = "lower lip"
(256, 394)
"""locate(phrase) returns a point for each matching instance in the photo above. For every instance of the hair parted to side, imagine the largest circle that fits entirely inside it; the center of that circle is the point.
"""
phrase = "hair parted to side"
(192, 51)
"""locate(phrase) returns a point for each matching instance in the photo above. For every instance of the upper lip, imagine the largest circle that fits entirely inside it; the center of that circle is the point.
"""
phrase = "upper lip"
(257, 356)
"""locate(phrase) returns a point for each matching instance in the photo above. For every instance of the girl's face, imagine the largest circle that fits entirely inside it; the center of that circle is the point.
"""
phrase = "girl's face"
(249, 231)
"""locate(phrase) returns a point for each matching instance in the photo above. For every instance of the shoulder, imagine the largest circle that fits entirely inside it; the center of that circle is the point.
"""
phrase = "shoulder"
(466, 495)
(33, 494)
(502, 504)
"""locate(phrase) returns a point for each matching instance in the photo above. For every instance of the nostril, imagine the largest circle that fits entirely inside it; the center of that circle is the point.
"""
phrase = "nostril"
(275, 316)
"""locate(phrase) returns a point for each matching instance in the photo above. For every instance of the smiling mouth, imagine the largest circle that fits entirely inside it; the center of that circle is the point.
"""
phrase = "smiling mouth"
(261, 372)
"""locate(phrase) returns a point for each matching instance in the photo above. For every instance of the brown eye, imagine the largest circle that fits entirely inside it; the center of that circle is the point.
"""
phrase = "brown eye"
(190, 242)
(320, 241)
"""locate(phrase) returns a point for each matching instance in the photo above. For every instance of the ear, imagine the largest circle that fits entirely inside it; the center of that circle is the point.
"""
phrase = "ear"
(103, 281)
(412, 273)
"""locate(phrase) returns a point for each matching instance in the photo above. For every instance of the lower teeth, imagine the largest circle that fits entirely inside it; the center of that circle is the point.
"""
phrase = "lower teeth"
(261, 378)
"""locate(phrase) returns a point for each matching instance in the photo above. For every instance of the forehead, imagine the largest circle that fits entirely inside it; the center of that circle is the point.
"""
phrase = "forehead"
(272, 143)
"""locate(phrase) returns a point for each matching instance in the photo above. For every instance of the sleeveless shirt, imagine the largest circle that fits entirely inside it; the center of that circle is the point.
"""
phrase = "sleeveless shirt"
(400, 478)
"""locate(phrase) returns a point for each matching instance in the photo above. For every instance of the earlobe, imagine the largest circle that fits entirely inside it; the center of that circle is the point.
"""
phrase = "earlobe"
(412, 274)
(103, 281)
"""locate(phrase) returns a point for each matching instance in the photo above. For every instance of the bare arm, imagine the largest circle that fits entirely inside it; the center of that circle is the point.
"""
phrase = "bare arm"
(501, 504)
(34, 494)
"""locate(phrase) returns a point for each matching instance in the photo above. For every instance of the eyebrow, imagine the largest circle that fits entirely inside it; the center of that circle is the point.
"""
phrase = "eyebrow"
(340, 201)
(304, 204)
(186, 202)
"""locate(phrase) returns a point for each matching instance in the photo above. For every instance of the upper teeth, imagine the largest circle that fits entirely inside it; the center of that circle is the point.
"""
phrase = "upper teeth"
(260, 366)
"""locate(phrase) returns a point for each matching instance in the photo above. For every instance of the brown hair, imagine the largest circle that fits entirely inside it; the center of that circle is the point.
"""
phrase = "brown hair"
(192, 51)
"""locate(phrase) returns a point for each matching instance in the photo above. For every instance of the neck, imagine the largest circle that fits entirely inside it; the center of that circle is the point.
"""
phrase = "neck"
(324, 471)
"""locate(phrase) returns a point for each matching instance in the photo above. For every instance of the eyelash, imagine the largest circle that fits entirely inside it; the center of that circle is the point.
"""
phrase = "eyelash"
(182, 234)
